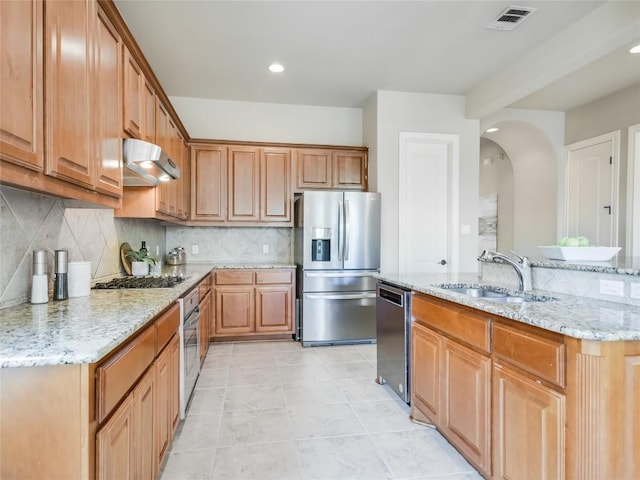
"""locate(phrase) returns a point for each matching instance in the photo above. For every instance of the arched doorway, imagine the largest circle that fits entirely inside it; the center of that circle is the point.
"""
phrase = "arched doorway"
(523, 170)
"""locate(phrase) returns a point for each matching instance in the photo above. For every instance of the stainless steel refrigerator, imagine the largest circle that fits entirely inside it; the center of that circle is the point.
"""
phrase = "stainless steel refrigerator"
(337, 248)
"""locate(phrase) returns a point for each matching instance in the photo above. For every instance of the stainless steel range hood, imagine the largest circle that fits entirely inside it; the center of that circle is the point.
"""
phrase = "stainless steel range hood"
(146, 164)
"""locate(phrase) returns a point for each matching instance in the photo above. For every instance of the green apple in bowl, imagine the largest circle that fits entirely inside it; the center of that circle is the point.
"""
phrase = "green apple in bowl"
(572, 242)
(583, 242)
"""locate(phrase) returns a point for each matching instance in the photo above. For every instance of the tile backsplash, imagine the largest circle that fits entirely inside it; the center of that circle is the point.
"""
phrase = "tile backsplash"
(233, 244)
(30, 221)
(570, 282)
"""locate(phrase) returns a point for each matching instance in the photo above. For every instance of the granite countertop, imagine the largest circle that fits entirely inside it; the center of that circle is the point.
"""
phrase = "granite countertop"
(617, 265)
(573, 316)
(85, 329)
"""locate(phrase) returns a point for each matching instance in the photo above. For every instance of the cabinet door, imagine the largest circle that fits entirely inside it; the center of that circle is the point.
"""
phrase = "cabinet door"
(133, 96)
(275, 185)
(274, 309)
(149, 123)
(349, 170)
(163, 139)
(466, 403)
(425, 372)
(209, 184)
(146, 420)
(68, 57)
(528, 424)
(21, 77)
(162, 434)
(313, 169)
(205, 320)
(107, 142)
(234, 310)
(243, 173)
(115, 445)
(174, 405)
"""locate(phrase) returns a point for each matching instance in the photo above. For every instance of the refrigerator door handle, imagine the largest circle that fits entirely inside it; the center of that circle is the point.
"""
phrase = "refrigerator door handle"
(347, 221)
(340, 230)
(346, 296)
(339, 274)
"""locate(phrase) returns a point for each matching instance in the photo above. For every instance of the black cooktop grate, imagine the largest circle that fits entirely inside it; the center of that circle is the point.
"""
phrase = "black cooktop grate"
(140, 282)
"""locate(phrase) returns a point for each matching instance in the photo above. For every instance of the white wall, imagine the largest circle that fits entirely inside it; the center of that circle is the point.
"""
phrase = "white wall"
(409, 112)
(269, 122)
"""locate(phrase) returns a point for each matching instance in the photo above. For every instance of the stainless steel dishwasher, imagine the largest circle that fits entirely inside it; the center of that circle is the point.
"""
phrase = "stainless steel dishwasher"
(393, 329)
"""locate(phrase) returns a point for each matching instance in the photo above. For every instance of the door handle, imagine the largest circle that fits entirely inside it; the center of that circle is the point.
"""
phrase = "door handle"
(442, 262)
(607, 207)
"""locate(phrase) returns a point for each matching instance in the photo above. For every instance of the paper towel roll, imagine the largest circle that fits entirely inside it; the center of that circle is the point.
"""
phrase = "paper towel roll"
(79, 277)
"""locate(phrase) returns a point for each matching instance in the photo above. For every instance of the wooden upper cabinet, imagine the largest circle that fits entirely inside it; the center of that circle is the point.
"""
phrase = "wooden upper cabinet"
(133, 98)
(335, 169)
(313, 169)
(275, 181)
(107, 142)
(149, 124)
(163, 194)
(349, 170)
(21, 80)
(243, 176)
(68, 58)
(209, 183)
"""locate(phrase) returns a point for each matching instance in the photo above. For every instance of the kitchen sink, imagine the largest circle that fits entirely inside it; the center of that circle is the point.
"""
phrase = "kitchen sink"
(493, 294)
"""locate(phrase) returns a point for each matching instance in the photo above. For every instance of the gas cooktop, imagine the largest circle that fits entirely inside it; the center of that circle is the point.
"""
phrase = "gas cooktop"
(140, 282)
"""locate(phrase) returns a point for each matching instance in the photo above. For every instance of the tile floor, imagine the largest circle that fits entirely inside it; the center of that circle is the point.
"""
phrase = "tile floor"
(275, 410)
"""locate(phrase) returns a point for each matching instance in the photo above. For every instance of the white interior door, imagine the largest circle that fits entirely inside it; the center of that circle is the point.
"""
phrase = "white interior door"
(428, 209)
(592, 206)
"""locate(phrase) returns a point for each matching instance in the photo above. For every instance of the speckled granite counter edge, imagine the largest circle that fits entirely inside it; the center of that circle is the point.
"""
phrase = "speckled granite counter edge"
(576, 317)
(85, 329)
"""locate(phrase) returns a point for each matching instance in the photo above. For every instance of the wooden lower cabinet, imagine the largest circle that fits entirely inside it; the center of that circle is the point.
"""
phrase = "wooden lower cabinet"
(466, 402)
(425, 374)
(205, 322)
(167, 405)
(528, 427)
(253, 302)
(134, 441)
(125, 444)
(451, 389)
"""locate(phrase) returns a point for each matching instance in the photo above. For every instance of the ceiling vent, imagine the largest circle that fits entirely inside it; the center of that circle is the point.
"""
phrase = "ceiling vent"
(510, 18)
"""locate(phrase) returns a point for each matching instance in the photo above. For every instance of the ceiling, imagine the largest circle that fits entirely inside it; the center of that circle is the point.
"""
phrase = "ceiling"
(338, 53)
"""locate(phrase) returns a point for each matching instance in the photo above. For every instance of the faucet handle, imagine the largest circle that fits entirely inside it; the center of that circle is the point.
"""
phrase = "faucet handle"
(521, 258)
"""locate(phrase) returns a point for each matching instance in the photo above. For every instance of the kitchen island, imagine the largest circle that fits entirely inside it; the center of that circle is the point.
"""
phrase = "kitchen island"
(85, 377)
(546, 389)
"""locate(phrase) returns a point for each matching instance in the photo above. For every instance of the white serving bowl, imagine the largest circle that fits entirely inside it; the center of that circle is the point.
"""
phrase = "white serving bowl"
(579, 254)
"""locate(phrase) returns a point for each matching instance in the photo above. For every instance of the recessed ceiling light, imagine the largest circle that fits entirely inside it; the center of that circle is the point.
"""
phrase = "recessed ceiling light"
(491, 130)
(276, 68)
(635, 49)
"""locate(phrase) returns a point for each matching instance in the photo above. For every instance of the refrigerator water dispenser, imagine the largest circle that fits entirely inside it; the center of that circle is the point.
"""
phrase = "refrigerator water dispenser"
(320, 244)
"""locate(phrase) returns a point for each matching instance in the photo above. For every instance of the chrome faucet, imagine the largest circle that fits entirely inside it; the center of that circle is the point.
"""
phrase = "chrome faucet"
(522, 266)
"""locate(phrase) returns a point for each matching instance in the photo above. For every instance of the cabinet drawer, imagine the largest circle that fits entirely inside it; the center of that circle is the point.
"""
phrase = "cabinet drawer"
(535, 354)
(474, 331)
(119, 374)
(234, 277)
(276, 276)
(204, 286)
(166, 326)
